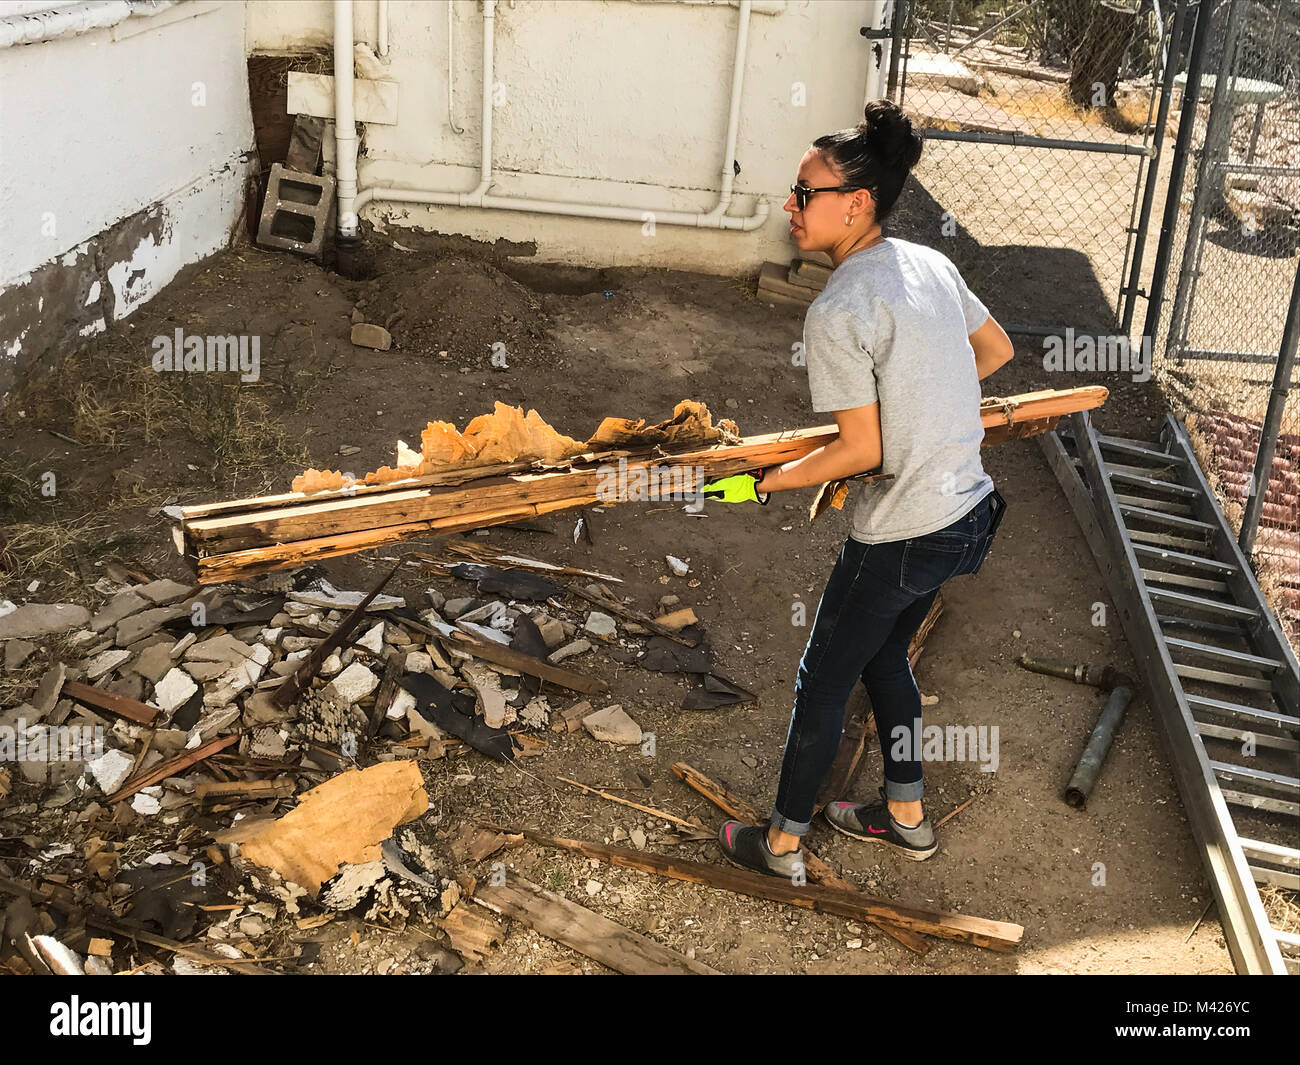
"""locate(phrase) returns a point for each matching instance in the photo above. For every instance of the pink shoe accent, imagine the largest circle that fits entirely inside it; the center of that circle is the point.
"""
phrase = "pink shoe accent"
(727, 830)
(844, 805)
(877, 831)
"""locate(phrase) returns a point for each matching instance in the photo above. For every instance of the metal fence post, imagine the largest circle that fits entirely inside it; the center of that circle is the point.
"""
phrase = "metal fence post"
(1179, 319)
(1178, 168)
(1272, 426)
(1130, 293)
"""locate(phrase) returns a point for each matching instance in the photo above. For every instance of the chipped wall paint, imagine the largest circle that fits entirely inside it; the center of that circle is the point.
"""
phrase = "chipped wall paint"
(611, 103)
(122, 159)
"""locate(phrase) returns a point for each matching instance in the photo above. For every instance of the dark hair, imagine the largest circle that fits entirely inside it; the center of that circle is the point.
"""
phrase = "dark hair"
(876, 154)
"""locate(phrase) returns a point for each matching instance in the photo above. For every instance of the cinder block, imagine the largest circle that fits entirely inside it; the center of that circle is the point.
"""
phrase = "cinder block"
(296, 211)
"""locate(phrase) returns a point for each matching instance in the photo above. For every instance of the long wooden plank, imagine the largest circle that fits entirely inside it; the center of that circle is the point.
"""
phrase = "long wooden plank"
(247, 537)
(995, 935)
(586, 931)
(817, 870)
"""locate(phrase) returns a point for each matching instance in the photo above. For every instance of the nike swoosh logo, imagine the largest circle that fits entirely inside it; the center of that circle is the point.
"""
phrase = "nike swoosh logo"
(877, 831)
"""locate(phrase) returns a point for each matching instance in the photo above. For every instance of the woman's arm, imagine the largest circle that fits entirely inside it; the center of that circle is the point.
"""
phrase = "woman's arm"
(857, 449)
(992, 347)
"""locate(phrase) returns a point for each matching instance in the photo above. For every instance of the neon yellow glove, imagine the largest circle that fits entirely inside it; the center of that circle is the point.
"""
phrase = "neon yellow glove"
(738, 488)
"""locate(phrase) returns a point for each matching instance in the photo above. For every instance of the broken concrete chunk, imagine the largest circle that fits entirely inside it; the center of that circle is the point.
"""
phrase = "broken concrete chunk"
(330, 667)
(601, 626)
(111, 770)
(355, 682)
(365, 335)
(47, 692)
(373, 640)
(402, 702)
(491, 699)
(327, 597)
(174, 690)
(138, 626)
(42, 619)
(577, 647)
(17, 652)
(613, 726)
(104, 663)
(552, 632)
(120, 606)
(679, 568)
(153, 662)
(224, 649)
(418, 662)
(163, 592)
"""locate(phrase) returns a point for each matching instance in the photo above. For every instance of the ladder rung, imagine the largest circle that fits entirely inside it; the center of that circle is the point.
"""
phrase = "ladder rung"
(1180, 559)
(1275, 878)
(1196, 602)
(1258, 851)
(1228, 680)
(1237, 734)
(1134, 475)
(1250, 713)
(1181, 580)
(1260, 802)
(1223, 654)
(1164, 506)
(1231, 630)
(1141, 536)
(1146, 514)
(1262, 777)
(1137, 449)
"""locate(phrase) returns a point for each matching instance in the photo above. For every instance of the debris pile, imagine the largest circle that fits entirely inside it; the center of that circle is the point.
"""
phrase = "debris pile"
(215, 772)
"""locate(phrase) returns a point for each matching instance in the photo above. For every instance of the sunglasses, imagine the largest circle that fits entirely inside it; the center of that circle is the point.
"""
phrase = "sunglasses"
(802, 194)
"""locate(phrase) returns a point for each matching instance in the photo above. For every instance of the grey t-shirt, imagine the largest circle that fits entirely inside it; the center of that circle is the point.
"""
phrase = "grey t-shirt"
(892, 325)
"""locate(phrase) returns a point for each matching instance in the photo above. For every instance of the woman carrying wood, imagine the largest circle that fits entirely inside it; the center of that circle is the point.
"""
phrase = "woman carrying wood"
(896, 346)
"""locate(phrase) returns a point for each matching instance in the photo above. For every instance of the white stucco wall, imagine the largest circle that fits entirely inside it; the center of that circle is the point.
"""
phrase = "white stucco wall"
(614, 102)
(143, 126)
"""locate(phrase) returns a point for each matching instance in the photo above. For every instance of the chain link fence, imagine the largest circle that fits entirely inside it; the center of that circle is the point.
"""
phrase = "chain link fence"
(1040, 118)
(1233, 266)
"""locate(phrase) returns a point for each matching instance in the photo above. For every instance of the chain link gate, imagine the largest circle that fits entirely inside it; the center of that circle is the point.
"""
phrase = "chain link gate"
(1041, 121)
(1229, 267)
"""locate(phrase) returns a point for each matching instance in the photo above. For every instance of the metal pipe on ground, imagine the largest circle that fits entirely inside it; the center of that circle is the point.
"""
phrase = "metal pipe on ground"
(1094, 754)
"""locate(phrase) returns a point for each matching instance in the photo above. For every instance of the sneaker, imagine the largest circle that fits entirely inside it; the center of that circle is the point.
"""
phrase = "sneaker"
(875, 824)
(746, 846)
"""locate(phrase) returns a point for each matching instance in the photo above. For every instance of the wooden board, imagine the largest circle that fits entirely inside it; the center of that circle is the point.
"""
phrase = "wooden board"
(242, 538)
(587, 932)
(995, 935)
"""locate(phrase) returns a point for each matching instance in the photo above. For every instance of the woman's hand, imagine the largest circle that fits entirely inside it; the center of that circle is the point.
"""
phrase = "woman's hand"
(857, 449)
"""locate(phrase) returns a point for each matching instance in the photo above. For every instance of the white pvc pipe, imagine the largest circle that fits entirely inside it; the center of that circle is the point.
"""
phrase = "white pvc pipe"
(716, 218)
(345, 126)
(383, 27)
(69, 21)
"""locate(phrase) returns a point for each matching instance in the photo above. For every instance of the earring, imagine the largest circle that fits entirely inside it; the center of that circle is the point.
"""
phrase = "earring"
(848, 220)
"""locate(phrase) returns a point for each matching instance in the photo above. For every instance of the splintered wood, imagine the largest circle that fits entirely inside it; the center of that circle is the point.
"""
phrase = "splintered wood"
(245, 537)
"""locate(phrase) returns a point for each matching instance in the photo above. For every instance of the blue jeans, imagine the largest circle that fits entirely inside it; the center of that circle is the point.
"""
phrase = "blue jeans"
(875, 600)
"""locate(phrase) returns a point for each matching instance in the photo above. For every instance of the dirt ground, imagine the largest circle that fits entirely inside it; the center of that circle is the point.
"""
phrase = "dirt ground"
(1115, 889)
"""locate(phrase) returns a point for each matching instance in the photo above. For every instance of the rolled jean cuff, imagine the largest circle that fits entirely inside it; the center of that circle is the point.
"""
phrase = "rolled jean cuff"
(783, 824)
(911, 792)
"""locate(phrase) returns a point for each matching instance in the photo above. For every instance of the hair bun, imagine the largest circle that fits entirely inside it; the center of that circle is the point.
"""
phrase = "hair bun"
(888, 132)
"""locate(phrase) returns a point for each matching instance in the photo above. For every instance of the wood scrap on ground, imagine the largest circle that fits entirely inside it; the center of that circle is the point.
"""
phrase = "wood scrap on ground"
(999, 936)
(590, 933)
(817, 870)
